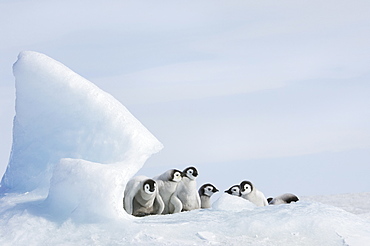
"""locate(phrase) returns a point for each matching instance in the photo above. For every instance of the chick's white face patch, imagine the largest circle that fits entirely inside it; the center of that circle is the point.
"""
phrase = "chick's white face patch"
(148, 189)
(208, 190)
(191, 173)
(246, 189)
(177, 177)
(235, 191)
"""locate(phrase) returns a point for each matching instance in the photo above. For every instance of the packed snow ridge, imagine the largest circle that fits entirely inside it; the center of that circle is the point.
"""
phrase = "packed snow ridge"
(75, 148)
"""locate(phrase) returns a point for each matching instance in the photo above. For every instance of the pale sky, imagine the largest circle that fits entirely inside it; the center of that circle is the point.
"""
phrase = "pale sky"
(273, 92)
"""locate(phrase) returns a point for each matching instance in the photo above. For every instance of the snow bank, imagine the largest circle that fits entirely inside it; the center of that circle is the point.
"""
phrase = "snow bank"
(232, 203)
(59, 114)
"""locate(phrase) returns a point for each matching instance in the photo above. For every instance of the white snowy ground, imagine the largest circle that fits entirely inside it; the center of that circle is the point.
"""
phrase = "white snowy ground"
(232, 221)
(356, 203)
(74, 149)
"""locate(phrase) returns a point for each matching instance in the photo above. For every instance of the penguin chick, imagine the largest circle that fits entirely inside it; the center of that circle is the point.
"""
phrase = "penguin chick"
(205, 193)
(233, 190)
(167, 183)
(141, 197)
(186, 196)
(283, 199)
(249, 192)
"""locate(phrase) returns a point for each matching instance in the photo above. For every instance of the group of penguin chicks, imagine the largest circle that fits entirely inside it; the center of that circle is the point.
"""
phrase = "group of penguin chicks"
(247, 191)
(176, 191)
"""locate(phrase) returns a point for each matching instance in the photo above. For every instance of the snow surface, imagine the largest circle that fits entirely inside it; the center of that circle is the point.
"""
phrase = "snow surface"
(357, 203)
(81, 146)
(230, 222)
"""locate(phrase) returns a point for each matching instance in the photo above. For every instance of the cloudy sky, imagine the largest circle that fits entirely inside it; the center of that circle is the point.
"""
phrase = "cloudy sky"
(276, 92)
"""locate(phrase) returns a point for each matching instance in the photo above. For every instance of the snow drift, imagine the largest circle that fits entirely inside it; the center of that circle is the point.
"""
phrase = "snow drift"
(60, 115)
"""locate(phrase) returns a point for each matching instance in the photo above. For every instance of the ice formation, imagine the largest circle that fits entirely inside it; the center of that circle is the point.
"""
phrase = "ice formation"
(69, 131)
